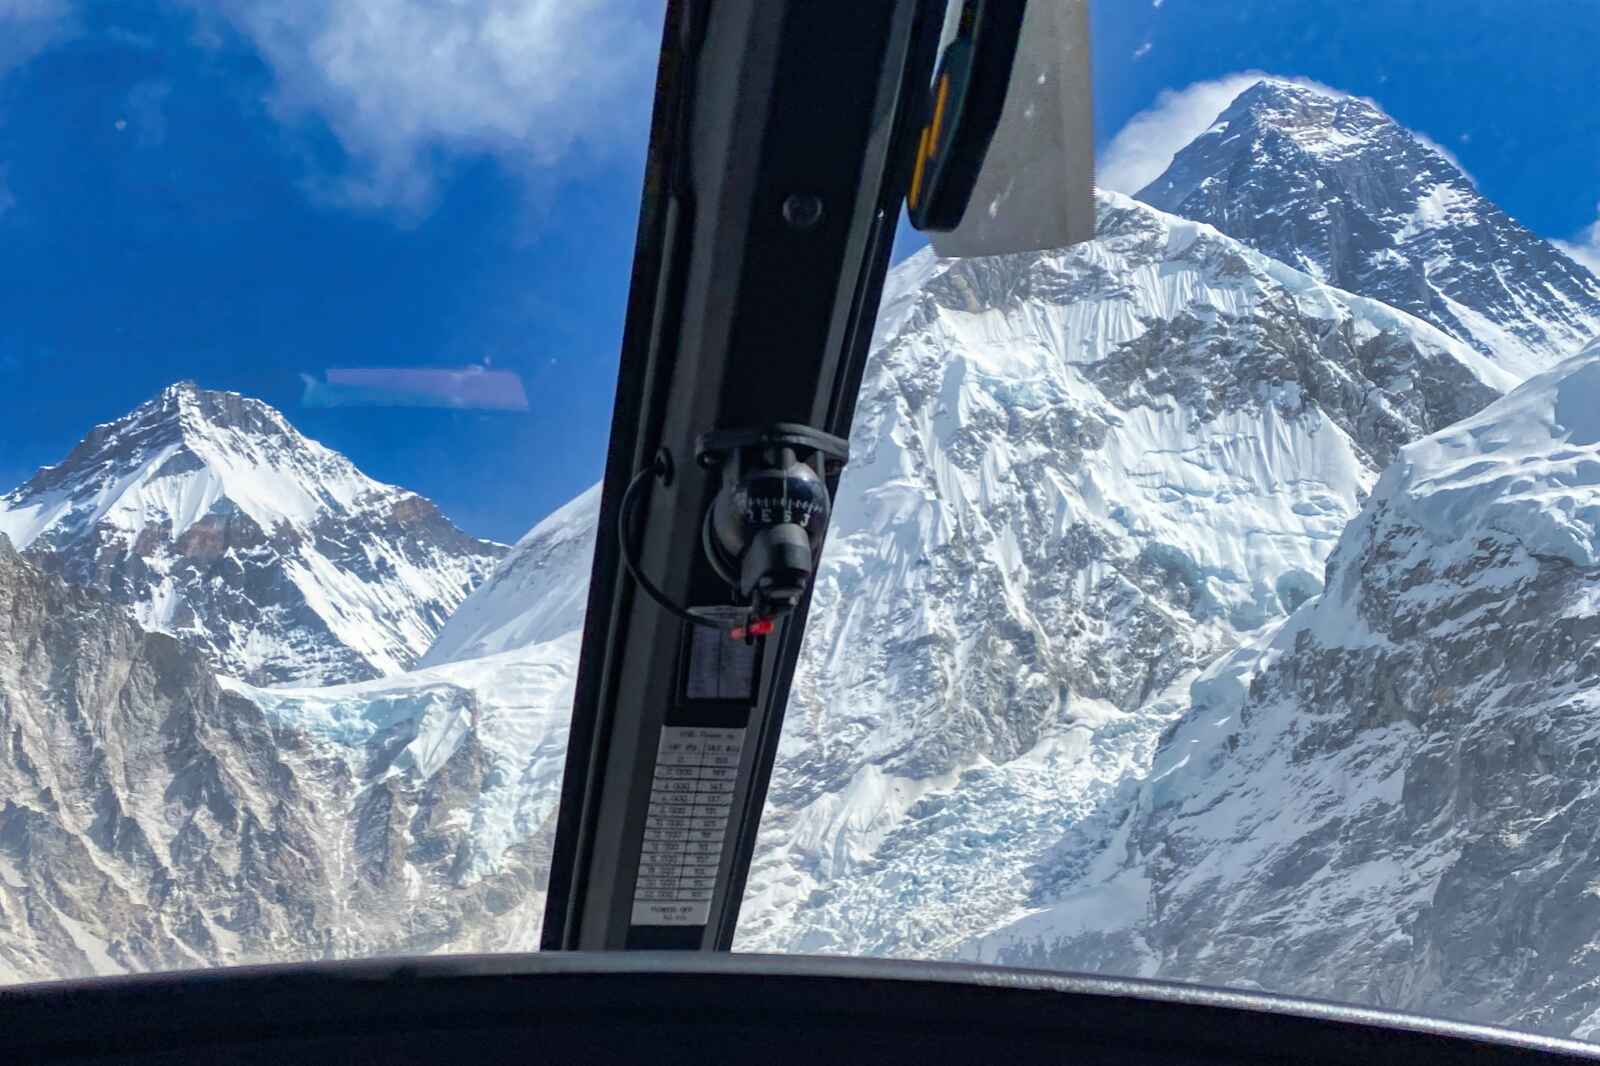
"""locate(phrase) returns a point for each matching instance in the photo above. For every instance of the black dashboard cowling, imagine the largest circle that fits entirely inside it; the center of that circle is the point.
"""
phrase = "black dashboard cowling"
(703, 1007)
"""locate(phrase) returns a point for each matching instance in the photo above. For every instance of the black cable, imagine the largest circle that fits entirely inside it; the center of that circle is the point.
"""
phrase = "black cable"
(624, 526)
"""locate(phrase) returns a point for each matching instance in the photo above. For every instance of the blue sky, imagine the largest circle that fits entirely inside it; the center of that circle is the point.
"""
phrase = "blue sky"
(247, 191)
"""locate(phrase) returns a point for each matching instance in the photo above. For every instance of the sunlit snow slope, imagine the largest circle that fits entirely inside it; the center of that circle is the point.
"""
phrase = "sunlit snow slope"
(1392, 799)
(538, 593)
(213, 519)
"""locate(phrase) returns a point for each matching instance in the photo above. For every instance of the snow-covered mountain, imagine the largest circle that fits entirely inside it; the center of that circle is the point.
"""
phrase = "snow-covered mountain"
(1392, 798)
(1076, 478)
(1333, 186)
(214, 519)
(1092, 501)
(153, 817)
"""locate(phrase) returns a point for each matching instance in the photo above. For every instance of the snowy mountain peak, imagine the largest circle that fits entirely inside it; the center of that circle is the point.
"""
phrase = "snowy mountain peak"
(198, 410)
(1279, 91)
(1310, 114)
(185, 410)
(1335, 187)
(209, 515)
(125, 471)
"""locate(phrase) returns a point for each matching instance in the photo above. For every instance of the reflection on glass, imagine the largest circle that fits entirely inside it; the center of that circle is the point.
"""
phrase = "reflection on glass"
(470, 388)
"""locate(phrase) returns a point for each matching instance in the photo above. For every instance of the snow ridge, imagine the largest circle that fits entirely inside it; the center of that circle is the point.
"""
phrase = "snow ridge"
(549, 567)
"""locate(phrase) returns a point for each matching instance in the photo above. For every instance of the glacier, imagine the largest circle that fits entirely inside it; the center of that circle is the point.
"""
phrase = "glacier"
(514, 705)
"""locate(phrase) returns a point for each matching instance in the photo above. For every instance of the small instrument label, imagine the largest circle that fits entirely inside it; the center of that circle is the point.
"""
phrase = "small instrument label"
(691, 801)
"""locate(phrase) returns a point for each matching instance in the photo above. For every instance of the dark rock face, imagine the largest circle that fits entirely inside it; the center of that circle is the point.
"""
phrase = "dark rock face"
(211, 518)
(1336, 188)
(152, 819)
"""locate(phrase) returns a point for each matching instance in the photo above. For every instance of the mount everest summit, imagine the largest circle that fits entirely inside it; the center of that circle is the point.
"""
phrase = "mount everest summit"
(1333, 186)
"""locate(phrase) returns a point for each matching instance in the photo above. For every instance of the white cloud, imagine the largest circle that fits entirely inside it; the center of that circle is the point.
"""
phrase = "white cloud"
(407, 85)
(28, 27)
(1142, 51)
(1144, 147)
(1585, 245)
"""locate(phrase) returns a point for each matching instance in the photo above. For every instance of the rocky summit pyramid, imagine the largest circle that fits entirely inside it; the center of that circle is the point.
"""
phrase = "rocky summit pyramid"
(210, 517)
(1333, 186)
